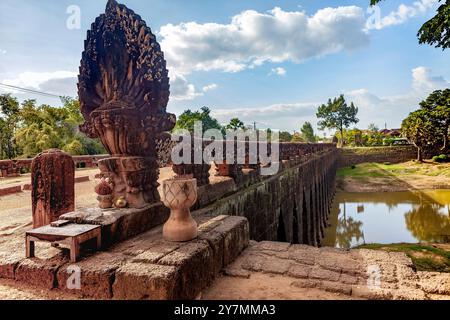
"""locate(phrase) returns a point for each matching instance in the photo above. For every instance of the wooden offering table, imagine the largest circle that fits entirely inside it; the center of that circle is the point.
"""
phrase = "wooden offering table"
(64, 233)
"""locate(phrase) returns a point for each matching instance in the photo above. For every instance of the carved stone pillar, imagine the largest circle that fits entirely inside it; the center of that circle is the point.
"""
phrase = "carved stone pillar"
(53, 181)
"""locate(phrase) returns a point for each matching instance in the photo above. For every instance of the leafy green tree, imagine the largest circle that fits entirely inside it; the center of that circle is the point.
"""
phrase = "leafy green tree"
(337, 114)
(373, 137)
(353, 137)
(74, 148)
(9, 118)
(438, 106)
(38, 128)
(419, 129)
(308, 132)
(435, 31)
(188, 118)
(372, 127)
(235, 124)
(297, 137)
(285, 136)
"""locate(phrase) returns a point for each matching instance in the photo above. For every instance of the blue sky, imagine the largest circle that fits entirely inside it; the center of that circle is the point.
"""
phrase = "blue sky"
(272, 62)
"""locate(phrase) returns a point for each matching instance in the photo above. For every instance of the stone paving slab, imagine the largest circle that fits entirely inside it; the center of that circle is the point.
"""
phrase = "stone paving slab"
(144, 267)
(361, 274)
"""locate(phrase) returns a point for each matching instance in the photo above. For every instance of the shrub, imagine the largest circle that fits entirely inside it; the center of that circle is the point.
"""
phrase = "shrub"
(387, 163)
(441, 158)
(353, 167)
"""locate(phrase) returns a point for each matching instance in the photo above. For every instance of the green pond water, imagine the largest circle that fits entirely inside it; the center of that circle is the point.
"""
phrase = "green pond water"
(389, 217)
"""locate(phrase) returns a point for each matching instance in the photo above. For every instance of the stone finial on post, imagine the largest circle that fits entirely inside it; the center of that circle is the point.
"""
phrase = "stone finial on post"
(199, 171)
(53, 186)
(179, 195)
(233, 168)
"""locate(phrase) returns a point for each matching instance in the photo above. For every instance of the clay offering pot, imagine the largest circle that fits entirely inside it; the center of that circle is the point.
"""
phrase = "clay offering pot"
(104, 192)
(105, 201)
(179, 194)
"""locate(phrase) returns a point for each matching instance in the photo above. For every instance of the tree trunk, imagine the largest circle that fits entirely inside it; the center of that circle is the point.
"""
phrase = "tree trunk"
(444, 147)
(419, 154)
(342, 137)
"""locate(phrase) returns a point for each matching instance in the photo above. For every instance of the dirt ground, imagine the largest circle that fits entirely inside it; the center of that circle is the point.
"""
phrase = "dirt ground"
(375, 177)
(266, 287)
(13, 290)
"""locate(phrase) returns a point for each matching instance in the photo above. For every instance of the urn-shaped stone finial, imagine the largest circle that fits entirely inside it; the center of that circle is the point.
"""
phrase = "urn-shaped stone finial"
(179, 194)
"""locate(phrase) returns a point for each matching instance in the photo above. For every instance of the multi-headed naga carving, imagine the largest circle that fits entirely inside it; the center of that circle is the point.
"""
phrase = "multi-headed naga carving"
(123, 88)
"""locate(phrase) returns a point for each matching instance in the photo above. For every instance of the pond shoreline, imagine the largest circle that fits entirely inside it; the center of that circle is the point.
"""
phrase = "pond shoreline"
(379, 181)
(407, 176)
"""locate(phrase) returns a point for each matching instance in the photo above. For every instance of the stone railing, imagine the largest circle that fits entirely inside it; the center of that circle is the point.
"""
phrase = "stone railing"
(287, 151)
(13, 168)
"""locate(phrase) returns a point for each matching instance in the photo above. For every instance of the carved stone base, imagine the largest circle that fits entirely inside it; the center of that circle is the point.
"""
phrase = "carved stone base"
(133, 178)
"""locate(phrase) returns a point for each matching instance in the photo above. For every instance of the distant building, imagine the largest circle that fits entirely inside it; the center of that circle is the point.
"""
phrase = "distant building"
(394, 133)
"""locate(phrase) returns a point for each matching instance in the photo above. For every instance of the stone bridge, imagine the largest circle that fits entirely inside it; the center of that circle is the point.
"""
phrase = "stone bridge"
(290, 206)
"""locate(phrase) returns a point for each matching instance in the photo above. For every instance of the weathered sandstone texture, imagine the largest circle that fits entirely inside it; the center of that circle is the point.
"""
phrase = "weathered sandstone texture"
(291, 206)
(123, 88)
(145, 267)
(396, 154)
(360, 274)
(53, 191)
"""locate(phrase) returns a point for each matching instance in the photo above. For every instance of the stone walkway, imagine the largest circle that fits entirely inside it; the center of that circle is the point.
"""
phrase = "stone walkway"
(359, 274)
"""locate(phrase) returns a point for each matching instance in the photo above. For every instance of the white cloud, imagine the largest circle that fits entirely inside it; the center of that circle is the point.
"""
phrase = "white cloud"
(372, 108)
(252, 38)
(181, 89)
(394, 109)
(424, 82)
(3, 51)
(284, 116)
(210, 87)
(278, 71)
(59, 82)
(65, 83)
(34, 80)
(402, 14)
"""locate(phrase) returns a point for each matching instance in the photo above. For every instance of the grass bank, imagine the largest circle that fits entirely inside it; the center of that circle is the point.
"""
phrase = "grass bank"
(382, 177)
(425, 257)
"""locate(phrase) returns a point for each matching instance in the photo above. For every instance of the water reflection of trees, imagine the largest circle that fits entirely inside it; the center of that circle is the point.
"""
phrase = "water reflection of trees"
(427, 223)
(348, 230)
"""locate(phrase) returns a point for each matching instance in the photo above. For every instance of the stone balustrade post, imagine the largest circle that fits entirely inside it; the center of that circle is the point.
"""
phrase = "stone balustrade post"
(53, 191)
(199, 171)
